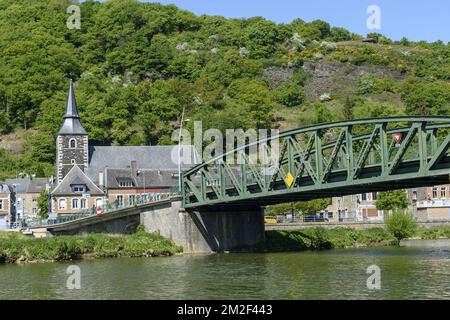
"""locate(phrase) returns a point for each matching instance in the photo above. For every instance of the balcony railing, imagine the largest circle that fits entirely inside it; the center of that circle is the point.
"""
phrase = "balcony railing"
(436, 203)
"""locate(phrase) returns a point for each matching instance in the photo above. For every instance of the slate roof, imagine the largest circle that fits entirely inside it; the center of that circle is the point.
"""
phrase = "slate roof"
(28, 185)
(146, 157)
(71, 124)
(4, 188)
(76, 176)
(152, 178)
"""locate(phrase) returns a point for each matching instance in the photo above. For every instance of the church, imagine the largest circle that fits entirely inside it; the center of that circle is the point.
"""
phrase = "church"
(89, 176)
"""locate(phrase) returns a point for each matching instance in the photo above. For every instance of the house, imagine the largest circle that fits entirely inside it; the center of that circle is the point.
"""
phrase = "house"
(89, 176)
(432, 203)
(358, 207)
(27, 191)
(7, 213)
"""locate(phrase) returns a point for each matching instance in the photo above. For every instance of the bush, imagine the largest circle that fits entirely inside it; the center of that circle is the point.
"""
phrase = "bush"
(401, 225)
(290, 95)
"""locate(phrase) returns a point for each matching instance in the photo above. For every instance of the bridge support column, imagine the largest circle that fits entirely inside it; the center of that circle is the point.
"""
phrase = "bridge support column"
(211, 229)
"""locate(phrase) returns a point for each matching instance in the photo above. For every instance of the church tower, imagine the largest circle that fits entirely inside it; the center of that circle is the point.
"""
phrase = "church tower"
(72, 140)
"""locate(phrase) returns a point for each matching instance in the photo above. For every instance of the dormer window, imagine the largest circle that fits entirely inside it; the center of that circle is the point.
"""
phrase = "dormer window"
(79, 188)
(125, 182)
(72, 143)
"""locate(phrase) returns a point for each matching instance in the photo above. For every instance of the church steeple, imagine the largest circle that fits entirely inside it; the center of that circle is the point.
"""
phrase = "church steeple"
(72, 141)
(71, 123)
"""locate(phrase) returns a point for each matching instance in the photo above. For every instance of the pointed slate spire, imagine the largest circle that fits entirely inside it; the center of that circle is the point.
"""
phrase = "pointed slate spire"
(71, 104)
(71, 123)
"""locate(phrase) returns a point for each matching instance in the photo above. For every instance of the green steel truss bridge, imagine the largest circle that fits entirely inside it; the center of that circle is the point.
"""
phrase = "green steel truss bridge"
(326, 160)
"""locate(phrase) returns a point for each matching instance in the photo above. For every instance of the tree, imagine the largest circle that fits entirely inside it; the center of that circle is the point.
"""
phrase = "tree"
(400, 224)
(300, 207)
(426, 98)
(290, 95)
(312, 206)
(392, 200)
(340, 34)
(42, 203)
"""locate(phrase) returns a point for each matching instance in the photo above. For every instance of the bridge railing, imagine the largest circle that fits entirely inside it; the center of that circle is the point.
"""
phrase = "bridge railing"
(106, 208)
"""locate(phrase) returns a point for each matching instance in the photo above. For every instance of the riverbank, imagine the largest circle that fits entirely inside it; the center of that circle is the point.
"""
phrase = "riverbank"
(16, 248)
(321, 238)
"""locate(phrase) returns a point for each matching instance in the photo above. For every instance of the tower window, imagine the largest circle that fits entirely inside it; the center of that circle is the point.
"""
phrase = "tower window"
(72, 143)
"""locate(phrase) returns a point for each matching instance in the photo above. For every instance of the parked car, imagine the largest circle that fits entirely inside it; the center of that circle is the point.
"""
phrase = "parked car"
(270, 220)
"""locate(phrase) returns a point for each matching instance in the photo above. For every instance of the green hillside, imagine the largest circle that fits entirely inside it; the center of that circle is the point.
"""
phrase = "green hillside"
(137, 64)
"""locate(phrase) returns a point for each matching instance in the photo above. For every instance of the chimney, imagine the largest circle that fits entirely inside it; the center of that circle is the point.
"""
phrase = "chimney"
(101, 180)
(134, 169)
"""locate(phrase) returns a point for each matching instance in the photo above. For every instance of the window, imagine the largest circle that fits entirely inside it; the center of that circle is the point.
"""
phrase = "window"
(74, 203)
(131, 199)
(98, 202)
(62, 204)
(1, 204)
(124, 182)
(72, 143)
(73, 161)
(435, 193)
(119, 201)
(34, 211)
(34, 202)
(364, 196)
(374, 196)
(443, 192)
(78, 188)
(83, 203)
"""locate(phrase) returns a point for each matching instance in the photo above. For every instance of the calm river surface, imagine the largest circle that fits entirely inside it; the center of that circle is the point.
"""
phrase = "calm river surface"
(406, 273)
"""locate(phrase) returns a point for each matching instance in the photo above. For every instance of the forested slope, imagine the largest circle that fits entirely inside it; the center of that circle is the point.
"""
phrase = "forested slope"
(137, 64)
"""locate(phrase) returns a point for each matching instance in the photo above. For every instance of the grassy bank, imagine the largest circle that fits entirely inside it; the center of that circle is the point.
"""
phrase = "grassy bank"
(15, 247)
(434, 233)
(321, 238)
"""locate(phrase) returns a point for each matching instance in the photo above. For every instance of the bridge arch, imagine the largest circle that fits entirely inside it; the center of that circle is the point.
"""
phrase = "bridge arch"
(325, 160)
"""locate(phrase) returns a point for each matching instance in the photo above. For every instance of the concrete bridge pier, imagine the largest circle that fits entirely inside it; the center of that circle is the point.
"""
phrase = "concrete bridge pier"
(209, 229)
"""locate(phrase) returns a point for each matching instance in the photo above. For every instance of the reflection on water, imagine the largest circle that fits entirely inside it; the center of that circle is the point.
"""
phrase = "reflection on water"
(406, 273)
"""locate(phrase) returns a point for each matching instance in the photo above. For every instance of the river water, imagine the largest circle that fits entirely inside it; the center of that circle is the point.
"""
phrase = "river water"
(406, 273)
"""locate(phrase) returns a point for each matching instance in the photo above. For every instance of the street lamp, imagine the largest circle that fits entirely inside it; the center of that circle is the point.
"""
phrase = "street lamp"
(179, 149)
(139, 172)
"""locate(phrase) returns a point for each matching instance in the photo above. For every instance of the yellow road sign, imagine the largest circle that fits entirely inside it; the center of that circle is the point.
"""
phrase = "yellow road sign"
(289, 179)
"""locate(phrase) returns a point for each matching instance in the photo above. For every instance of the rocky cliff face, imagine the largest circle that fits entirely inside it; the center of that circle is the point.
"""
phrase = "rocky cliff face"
(327, 77)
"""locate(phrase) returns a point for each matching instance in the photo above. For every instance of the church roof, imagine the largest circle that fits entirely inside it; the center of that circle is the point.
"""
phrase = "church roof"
(71, 124)
(147, 157)
(76, 177)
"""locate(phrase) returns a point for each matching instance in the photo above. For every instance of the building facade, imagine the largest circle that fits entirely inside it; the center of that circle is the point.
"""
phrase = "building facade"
(432, 203)
(91, 177)
(7, 214)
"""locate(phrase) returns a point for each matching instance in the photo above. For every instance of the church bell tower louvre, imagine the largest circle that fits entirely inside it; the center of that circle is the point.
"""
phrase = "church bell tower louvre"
(71, 141)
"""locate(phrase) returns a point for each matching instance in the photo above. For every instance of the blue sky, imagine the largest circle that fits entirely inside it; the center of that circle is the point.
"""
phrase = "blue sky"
(425, 20)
